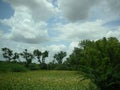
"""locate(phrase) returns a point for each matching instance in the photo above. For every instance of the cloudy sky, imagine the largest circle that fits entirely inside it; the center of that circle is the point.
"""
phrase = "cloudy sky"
(56, 25)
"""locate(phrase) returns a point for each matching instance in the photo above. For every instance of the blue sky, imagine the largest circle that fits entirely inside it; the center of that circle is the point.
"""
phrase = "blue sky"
(56, 25)
(6, 11)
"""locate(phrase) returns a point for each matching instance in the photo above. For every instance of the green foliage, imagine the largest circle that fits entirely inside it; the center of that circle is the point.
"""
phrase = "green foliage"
(100, 61)
(12, 67)
(51, 66)
(44, 55)
(43, 66)
(34, 66)
(59, 56)
(15, 56)
(7, 53)
(38, 54)
(28, 57)
(61, 67)
(18, 68)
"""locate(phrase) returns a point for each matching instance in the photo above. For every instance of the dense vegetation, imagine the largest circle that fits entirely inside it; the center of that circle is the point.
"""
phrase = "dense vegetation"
(100, 61)
(12, 67)
(97, 60)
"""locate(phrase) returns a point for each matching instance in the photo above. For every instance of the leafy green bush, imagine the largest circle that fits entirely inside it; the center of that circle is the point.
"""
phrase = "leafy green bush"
(18, 68)
(99, 61)
(34, 67)
(61, 67)
(12, 67)
(43, 66)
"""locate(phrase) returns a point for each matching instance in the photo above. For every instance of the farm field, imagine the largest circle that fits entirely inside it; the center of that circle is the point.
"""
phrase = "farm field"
(43, 80)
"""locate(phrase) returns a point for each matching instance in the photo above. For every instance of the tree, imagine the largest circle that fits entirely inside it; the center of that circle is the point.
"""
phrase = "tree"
(44, 55)
(7, 53)
(43, 65)
(28, 57)
(75, 59)
(59, 56)
(38, 54)
(100, 61)
(15, 56)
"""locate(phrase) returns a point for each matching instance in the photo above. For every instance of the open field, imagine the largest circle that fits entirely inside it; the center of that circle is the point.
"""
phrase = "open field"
(42, 80)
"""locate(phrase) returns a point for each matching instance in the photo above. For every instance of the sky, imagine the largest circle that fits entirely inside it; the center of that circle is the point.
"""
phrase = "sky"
(56, 25)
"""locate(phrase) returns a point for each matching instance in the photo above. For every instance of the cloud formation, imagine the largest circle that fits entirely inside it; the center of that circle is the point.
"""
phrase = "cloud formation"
(76, 10)
(114, 5)
(25, 29)
(28, 24)
(56, 25)
(87, 30)
(39, 9)
(114, 33)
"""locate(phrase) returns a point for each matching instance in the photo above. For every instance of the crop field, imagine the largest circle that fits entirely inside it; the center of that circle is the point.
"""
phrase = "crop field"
(43, 80)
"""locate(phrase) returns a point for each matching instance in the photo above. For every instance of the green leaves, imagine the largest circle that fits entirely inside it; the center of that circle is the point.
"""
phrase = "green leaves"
(28, 57)
(59, 56)
(7, 53)
(100, 61)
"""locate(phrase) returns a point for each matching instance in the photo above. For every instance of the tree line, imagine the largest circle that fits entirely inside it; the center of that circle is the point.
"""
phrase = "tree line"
(11, 56)
(97, 60)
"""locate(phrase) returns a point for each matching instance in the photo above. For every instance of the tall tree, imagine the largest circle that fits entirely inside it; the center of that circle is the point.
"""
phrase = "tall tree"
(7, 53)
(15, 56)
(100, 61)
(28, 57)
(59, 56)
(38, 54)
(44, 55)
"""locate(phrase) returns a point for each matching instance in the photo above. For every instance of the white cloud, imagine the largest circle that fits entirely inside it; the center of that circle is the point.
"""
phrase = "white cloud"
(87, 30)
(24, 28)
(71, 47)
(114, 33)
(57, 48)
(76, 10)
(39, 9)
(29, 23)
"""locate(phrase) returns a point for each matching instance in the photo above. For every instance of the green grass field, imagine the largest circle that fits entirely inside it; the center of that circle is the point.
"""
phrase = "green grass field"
(43, 80)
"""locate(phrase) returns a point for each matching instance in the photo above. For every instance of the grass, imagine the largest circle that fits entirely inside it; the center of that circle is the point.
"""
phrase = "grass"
(42, 80)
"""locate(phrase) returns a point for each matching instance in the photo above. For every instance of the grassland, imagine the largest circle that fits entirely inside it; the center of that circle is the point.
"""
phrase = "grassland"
(42, 80)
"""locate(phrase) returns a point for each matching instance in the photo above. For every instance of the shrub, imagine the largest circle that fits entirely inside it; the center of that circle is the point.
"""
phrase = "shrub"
(12, 67)
(34, 67)
(18, 68)
(43, 66)
(61, 67)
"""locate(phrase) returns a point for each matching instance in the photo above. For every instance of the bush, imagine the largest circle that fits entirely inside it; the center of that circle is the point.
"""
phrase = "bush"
(18, 68)
(12, 67)
(43, 66)
(34, 67)
(61, 67)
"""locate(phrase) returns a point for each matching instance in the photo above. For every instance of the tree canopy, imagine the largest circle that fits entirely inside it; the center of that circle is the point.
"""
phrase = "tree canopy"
(59, 57)
(99, 60)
